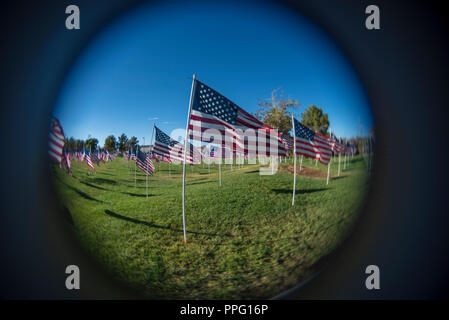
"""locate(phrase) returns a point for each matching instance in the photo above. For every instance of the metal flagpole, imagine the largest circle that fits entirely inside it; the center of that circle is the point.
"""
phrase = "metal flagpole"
(339, 158)
(330, 159)
(294, 166)
(147, 175)
(219, 171)
(344, 163)
(186, 139)
(135, 171)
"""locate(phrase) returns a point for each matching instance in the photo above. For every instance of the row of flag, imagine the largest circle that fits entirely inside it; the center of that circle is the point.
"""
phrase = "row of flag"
(64, 158)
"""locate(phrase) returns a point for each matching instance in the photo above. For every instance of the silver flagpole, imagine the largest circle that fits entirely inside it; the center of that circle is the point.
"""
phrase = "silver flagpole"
(339, 158)
(192, 90)
(294, 166)
(330, 159)
(147, 175)
(219, 171)
(135, 169)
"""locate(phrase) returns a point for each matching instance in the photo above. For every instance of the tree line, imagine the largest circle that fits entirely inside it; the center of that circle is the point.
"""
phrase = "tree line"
(111, 143)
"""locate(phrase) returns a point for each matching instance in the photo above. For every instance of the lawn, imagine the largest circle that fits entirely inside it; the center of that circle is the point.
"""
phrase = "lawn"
(245, 240)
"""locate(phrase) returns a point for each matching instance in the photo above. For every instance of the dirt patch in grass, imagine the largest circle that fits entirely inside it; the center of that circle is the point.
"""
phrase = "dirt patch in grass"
(305, 172)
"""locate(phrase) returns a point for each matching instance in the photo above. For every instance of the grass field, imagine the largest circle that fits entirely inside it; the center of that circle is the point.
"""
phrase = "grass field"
(245, 240)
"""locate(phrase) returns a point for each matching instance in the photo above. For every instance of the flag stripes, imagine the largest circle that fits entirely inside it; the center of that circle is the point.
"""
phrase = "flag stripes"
(56, 141)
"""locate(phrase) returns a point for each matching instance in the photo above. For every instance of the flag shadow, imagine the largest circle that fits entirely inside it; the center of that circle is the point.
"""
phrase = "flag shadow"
(152, 225)
(103, 181)
(337, 178)
(137, 194)
(81, 193)
(93, 186)
(304, 191)
(254, 171)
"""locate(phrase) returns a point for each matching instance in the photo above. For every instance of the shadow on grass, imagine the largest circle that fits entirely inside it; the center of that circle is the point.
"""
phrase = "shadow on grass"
(138, 194)
(254, 171)
(138, 187)
(103, 181)
(67, 215)
(300, 191)
(81, 193)
(152, 225)
(93, 186)
(337, 178)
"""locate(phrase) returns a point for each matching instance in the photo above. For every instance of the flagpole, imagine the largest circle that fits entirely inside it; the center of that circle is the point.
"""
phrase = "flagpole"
(185, 159)
(329, 164)
(135, 171)
(294, 166)
(339, 157)
(219, 170)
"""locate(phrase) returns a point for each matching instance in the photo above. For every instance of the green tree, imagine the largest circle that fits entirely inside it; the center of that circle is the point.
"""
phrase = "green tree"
(70, 144)
(132, 143)
(79, 145)
(122, 143)
(314, 118)
(91, 144)
(110, 144)
(276, 112)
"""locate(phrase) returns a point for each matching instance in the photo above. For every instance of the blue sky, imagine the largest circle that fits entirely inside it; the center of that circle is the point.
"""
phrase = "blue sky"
(138, 70)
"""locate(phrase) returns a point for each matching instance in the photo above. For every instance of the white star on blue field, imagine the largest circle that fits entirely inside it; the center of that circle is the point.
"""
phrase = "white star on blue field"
(138, 70)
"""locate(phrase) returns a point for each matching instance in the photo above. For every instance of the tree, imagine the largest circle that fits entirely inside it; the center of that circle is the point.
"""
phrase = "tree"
(110, 144)
(122, 143)
(276, 111)
(70, 144)
(91, 144)
(79, 145)
(132, 143)
(314, 118)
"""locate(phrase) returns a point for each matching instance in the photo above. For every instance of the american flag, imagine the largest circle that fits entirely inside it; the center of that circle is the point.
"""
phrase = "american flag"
(144, 162)
(94, 157)
(287, 140)
(56, 141)
(337, 145)
(211, 110)
(132, 154)
(172, 149)
(311, 144)
(68, 164)
(88, 159)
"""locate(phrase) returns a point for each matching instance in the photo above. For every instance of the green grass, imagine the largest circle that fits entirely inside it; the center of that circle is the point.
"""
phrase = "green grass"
(245, 240)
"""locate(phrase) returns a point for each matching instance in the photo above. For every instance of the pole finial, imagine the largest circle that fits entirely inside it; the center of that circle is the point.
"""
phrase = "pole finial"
(194, 76)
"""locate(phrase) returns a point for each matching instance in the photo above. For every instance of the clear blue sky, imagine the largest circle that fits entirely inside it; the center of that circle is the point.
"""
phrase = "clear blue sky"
(138, 70)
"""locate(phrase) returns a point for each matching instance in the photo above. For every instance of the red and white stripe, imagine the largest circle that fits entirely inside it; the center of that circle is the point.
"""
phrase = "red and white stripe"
(146, 166)
(56, 141)
(320, 148)
(260, 139)
(172, 153)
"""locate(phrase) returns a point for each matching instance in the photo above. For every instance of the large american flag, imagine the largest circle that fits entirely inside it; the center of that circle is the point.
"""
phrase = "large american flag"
(144, 162)
(172, 149)
(311, 144)
(56, 141)
(211, 110)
